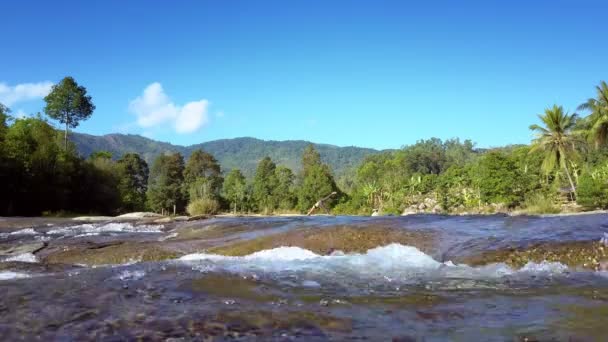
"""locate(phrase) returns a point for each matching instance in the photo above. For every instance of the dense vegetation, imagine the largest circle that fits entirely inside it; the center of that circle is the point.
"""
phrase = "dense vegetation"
(239, 153)
(566, 165)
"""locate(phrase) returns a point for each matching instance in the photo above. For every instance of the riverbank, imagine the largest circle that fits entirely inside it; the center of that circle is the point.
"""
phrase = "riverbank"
(16, 222)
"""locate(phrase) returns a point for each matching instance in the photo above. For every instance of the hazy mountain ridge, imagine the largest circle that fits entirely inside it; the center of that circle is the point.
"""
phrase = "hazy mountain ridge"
(243, 153)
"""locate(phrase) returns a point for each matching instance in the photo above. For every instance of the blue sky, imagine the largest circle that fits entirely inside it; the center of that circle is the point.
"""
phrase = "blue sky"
(378, 74)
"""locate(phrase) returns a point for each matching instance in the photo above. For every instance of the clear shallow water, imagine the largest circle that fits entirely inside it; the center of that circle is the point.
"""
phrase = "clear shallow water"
(288, 292)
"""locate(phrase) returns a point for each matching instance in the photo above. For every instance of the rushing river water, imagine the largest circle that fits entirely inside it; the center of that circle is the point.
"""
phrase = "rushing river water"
(415, 278)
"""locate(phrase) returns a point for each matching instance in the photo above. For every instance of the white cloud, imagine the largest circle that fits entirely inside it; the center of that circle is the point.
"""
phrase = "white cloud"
(154, 108)
(220, 114)
(23, 92)
(192, 116)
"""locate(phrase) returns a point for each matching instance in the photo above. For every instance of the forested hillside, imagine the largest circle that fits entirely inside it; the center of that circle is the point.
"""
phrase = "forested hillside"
(238, 153)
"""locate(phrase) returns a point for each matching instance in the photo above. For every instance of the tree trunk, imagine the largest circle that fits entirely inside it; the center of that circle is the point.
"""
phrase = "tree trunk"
(66, 133)
(570, 180)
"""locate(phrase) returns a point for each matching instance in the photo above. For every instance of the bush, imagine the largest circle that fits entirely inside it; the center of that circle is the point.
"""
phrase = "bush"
(539, 203)
(203, 206)
(592, 192)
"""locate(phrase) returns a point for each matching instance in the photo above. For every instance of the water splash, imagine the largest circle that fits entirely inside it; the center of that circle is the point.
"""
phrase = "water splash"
(604, 239)
(131, 275)
(394, 263)
(22, 232)
(96, 229)
(25, 257)
(8, 275)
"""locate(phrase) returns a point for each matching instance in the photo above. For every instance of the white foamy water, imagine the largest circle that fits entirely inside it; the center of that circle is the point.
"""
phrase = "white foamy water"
(7, 275)
(26, 231)
(131, 275)
(25, 257)
(96, 229)
(393, 262)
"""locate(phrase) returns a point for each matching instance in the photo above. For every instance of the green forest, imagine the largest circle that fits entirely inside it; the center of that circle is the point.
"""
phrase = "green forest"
(564, 168)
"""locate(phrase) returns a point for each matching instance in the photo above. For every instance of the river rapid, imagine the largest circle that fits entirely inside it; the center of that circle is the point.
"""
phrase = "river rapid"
(414, 278)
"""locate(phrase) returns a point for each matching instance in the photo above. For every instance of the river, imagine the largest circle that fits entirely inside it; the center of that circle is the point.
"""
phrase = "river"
(414, 278)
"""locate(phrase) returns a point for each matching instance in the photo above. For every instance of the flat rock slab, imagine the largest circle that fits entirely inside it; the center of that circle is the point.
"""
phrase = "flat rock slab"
(93, 218)
(139, 215)
(11, 250)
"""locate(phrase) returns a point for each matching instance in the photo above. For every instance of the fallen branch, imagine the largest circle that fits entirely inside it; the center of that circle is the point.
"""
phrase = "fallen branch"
(320, 204)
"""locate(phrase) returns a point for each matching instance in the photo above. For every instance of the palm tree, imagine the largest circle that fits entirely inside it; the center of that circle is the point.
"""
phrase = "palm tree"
(557, 140)
(597, 121)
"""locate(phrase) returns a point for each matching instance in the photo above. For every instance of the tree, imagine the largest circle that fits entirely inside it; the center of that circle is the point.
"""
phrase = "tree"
(310, 159)
(556, 140)
(5, 164)
(32, 164)
(284, 191)
(235, 188)
(597, 121)
(316, 180)
(264, 185)
(317, 184)
(101, 154)
(165, 183)
(68, 103)
(4, 117)
(426, 156)
(102, 178)
(132, 181)
(203, 175)
(497, 178)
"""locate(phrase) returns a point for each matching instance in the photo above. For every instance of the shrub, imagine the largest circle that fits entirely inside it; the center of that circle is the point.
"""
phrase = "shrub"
(203, 206)
(539, 203)
(592, 192)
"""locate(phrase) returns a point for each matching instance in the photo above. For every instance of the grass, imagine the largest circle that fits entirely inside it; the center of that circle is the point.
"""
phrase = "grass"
(540, 204)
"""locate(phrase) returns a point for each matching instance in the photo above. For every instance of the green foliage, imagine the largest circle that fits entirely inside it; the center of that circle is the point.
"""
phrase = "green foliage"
(40, 176)
(165, 188)
(596, 124)
(203, 206)
(285, 191)
(498, 179)
(203, 176)
(4, 117)
(265, 185)
(69, 104)
(317, 184)
(132, 172)
(540, 203)
(316, 181)
(593, 189)
(557, 141)
(235, 189)
(101, 154)
(239, 153)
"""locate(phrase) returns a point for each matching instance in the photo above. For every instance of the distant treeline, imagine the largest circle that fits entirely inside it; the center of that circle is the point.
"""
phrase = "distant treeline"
(567, 162)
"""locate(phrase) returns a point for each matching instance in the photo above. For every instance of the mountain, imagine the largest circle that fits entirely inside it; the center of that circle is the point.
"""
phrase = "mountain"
(241, 153)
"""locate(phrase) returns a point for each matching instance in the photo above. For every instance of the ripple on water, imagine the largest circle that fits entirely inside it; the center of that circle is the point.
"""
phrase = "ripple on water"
(8, 275)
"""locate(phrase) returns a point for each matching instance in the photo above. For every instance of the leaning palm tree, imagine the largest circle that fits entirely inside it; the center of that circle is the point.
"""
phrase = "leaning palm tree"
(597, 121)
(557, 140)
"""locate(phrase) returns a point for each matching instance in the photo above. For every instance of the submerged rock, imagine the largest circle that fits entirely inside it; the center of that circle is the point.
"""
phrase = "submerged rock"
(588, 255)
(328, 240)
(105, 254)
